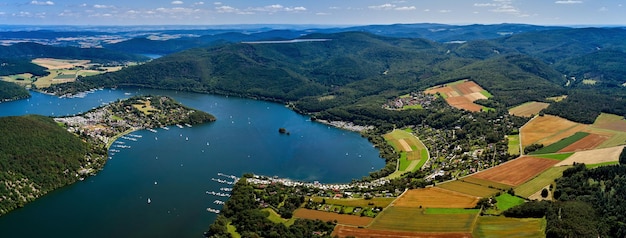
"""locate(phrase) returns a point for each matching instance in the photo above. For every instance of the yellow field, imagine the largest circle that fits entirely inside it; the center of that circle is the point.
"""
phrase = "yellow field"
(146, 108)
(62, 71)
(596, 156)
(434, 197)
(357, 202)
(497, 226)
(415, 219)
(557, 98)
(528, 109)
(468, 188)
(542, 180)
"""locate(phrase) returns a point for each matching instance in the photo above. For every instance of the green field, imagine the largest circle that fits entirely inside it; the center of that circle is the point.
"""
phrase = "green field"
(561, 156)
(274, 217)
(486, 94)
(232, 230)
(506, 201)
(451, 211)
(590, 166)
(559, 145)
(539, 182)
(416, 106)
(415, 219)
(469, 188)
(410, 159)
(497, 226)
(514, 144)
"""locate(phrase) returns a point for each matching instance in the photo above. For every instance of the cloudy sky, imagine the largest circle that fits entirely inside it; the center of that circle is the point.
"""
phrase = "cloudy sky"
(335, 12)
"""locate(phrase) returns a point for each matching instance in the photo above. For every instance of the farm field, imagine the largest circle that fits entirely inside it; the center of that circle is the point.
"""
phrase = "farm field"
(588, 142)
(350, 231)
(415, 219)
(517, 171)
(528, 109)
(514, 146)
(357, 202)
(413, 151)
(468, 188)
(596, 156)
(461, 94)
(434, 197)
(610, 122)
(497, 226)
(330, 216)
(561, 144)
(67, 70)
(548, 129)
(485, 183)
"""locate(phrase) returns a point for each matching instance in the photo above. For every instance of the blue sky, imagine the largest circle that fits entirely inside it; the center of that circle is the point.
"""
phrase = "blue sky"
(333, 12)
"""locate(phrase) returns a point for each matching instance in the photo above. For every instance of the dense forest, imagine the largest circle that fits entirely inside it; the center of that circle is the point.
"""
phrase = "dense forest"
(36, 157)
(351, 70)
(20, 65)
(588, 203)
(10, 91)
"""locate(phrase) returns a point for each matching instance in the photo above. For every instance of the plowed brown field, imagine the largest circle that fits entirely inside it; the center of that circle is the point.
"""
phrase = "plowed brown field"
(349, 231)
(461, 94)
(589, 142)
(517, 171)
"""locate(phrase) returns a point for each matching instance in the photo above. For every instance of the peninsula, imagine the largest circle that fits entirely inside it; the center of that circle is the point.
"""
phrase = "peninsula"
(40, 154)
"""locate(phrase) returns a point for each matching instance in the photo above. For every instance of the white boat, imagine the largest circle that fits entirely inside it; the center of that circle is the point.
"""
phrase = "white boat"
(149, 201)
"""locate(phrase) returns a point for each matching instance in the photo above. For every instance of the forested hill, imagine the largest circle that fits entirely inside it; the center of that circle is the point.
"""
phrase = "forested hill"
(351, 69)
(11, 91)
(36, 156)
(98, 55)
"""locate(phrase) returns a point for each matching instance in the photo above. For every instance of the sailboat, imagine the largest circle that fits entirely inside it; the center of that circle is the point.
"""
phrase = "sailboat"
(149, 201)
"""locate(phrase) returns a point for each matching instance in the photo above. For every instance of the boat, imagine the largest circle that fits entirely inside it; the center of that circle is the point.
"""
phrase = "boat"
(149, 201)
(186, 138)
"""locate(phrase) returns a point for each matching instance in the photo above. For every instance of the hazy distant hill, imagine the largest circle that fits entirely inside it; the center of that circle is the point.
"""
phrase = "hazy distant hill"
(34, 50)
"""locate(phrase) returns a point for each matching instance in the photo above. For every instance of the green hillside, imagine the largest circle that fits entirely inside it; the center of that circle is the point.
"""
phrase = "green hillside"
(36, 156)
(11, 91)
(351, 70)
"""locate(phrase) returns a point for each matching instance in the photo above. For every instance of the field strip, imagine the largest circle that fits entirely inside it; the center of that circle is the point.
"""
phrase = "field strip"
(405, 145)
(594, 156)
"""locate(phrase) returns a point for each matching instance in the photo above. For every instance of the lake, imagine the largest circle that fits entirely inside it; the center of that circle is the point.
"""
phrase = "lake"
(176, 168)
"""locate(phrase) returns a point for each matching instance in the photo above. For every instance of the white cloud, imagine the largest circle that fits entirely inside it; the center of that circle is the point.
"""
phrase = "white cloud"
(46, 3)
(603, 9)
(99, 6)
(444, 11)
(217, 3)
(177, 2)
(83, 5)
(410, 8)
(427, 10)
(322, 13)
(386, 6)
(500, 6)
(484, 5)
(198, 3)
(568, 2)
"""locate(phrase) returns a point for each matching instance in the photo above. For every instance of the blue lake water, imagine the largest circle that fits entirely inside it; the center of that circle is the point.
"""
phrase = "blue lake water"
(175, 168)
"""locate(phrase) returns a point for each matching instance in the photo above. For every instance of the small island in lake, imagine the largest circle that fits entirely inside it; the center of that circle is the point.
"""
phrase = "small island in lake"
(39, 154)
